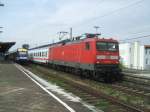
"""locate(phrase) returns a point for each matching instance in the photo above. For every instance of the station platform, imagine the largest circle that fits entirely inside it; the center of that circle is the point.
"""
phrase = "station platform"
(18, 93)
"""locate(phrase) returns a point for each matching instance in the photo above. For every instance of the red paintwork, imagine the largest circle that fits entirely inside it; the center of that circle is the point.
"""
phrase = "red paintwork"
(76, 52)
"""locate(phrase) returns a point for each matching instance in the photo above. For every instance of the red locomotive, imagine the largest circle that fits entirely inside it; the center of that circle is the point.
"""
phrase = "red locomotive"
(90, 56)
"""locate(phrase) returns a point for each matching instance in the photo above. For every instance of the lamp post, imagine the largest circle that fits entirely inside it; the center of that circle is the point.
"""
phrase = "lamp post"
(96, 28)
(1, 4)
(0, 30)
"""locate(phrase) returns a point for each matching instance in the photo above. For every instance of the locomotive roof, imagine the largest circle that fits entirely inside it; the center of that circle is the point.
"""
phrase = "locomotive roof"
(69, 41)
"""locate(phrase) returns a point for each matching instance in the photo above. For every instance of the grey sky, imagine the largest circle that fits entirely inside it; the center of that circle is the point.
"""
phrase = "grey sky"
(37, 21)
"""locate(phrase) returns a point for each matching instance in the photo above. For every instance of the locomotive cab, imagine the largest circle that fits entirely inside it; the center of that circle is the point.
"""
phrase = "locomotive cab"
(107, 52)
(107, 58)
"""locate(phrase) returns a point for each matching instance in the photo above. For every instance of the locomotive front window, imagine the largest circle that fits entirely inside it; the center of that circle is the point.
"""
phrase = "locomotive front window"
(107, 46)
(23, 54)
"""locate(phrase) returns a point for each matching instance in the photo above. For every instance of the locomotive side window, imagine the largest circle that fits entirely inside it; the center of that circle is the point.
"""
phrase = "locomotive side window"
(107, 46)
(87, 46)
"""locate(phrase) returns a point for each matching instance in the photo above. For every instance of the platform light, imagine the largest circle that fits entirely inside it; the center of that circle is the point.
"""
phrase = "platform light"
(1, 4)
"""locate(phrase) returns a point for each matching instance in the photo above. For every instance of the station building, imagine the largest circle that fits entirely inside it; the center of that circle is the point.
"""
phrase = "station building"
(4, 47)
(135, 56)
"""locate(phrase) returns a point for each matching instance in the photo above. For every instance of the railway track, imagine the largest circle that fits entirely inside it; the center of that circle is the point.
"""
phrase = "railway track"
(137, 83)
(93, 96)
(130, 90)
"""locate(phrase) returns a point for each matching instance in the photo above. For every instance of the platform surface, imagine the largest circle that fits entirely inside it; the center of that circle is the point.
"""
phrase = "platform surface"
(20, 94)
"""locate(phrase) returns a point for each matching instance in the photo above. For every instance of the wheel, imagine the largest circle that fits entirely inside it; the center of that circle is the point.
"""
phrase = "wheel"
(119, 77)
(95, 76)
(108, 78)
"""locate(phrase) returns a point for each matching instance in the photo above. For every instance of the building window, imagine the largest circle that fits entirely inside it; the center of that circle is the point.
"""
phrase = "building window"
(146, 61)
(145, 51)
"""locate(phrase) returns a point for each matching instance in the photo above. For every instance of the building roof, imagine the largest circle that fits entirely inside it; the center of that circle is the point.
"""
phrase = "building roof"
(147, 46)
(5, 46)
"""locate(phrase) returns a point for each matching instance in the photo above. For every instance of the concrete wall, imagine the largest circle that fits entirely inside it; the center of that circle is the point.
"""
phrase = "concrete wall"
(125, 57)
(133, 56)
(142, 58)
(147, 58)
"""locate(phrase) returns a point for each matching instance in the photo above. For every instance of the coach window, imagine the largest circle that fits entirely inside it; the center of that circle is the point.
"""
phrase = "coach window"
(45, 54)
(87, 46)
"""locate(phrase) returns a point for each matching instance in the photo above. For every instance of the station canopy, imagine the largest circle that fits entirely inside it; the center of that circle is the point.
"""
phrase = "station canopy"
(5, 46)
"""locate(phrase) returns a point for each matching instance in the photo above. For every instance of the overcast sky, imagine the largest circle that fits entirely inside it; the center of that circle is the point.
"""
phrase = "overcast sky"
(37, 22)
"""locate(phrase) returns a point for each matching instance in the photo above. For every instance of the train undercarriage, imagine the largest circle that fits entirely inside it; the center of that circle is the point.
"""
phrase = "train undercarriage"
(108, 74)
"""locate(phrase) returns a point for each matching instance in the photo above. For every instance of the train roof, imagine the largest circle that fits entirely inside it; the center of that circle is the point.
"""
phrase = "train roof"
(47, 45)
(19, 49)
(77, 39)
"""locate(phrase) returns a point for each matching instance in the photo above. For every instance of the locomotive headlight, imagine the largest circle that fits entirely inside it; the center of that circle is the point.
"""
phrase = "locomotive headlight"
(100, 57)
(114, 57)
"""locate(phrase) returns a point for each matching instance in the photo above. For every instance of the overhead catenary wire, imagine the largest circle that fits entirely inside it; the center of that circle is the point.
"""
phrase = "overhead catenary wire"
(114, 11)
(140, 37)
(119, 9)
(1, 4)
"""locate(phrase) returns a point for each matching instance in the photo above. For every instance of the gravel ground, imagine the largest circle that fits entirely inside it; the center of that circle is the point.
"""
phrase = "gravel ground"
(19, 94)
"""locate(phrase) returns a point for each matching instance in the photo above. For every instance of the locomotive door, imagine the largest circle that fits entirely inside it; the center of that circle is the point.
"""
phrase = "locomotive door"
(79, 49)
(50, 55)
